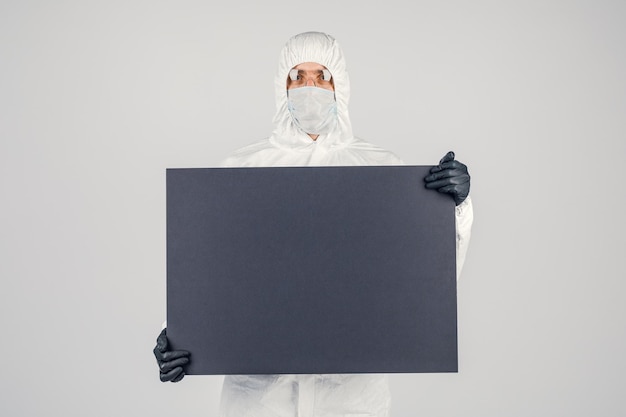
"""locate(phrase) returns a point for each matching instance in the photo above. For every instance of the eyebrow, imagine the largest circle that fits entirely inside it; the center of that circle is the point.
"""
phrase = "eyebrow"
(310, 71)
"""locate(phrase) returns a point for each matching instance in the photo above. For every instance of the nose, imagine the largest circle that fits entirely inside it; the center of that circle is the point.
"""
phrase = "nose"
(310, 82)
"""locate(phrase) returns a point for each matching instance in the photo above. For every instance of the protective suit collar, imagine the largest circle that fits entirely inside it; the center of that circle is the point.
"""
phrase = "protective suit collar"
(322, 49)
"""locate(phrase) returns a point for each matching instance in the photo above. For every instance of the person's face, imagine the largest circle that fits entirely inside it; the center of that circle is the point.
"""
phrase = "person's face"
(310, 74)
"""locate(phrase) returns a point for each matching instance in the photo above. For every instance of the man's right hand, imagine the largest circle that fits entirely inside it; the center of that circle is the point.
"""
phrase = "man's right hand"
(170, 361)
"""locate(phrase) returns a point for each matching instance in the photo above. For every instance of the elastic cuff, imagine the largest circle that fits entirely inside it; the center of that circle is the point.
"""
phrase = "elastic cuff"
(463, 206)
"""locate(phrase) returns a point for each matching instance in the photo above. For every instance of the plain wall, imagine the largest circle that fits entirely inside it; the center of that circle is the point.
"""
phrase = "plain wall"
(97, 98)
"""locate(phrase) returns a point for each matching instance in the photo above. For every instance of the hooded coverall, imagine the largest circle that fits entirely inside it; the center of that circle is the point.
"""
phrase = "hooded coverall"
(331, 395)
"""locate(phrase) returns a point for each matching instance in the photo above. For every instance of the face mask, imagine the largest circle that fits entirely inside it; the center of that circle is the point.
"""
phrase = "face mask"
(314, 109)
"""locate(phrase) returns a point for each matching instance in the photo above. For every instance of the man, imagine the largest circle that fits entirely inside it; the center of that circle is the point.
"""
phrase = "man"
(312, 128)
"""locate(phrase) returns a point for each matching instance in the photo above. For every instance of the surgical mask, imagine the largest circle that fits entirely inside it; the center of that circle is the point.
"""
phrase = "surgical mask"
(314, 109)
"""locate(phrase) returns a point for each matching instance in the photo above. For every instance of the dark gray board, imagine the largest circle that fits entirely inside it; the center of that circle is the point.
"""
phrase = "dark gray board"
(310, 270)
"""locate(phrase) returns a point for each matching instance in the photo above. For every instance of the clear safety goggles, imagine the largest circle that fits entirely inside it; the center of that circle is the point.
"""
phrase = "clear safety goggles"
(300, 78)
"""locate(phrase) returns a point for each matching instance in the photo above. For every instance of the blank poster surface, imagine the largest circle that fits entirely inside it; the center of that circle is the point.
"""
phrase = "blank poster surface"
(311, 270)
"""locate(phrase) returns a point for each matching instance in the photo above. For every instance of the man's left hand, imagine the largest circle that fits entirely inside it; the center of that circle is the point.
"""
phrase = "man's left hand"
(450, 177)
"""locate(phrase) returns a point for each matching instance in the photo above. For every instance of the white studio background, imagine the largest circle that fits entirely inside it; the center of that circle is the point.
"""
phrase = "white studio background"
(98, 98)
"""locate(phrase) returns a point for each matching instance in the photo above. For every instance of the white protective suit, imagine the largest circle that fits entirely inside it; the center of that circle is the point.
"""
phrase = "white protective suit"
(330, 395)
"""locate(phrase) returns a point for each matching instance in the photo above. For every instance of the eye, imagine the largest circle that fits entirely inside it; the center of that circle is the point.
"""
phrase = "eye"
(326, 76)
(293, 74)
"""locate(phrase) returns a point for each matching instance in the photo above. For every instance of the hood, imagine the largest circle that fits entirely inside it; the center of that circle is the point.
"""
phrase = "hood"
(323, 49)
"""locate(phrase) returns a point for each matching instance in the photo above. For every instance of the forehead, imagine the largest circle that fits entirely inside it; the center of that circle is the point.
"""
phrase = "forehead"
(310, 67)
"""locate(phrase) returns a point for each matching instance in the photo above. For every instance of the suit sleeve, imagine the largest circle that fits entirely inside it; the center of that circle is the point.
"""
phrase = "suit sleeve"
(464, 216)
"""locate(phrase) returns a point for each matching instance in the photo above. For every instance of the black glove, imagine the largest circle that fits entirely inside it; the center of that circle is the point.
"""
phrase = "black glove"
(451, 177)
(170, 361)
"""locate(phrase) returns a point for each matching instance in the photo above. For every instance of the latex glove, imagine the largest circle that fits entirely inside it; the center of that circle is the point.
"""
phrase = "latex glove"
(451, 177)
(170, 361)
